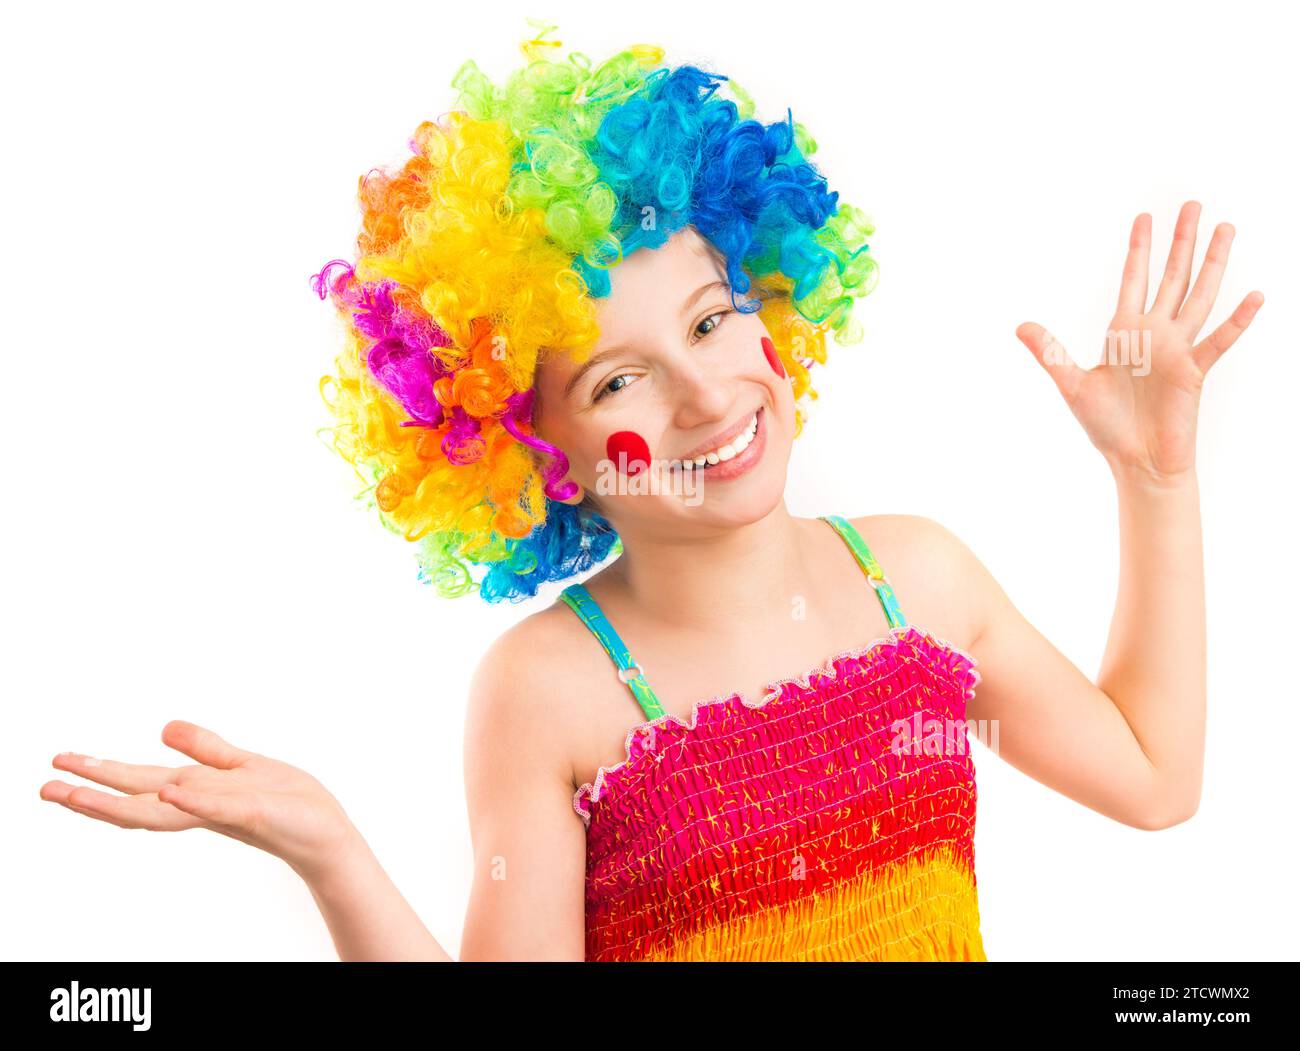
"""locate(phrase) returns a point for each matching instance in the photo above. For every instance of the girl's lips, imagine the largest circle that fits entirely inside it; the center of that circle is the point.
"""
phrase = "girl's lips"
(737, 465)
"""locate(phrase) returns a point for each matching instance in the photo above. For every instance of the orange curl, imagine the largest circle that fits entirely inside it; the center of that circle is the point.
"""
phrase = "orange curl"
(482, 388)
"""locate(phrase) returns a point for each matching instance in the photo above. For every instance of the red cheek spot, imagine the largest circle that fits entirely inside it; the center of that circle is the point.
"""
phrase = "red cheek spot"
(628, 450)
(769, 351)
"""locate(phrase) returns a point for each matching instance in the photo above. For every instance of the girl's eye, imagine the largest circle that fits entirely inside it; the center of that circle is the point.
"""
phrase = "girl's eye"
(605, 389)
(720, 314)
(623, 375)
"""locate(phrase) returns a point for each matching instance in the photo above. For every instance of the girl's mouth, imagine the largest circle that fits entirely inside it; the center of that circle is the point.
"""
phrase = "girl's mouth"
(731, 459)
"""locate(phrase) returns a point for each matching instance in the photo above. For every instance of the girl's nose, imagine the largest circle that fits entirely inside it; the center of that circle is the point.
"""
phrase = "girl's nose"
(699, 395)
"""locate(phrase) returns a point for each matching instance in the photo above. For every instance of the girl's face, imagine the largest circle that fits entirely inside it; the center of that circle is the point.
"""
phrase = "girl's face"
(676, 372)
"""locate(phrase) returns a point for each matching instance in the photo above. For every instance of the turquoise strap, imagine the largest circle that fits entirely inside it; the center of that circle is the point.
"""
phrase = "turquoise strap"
(875, 575)
(629, 672)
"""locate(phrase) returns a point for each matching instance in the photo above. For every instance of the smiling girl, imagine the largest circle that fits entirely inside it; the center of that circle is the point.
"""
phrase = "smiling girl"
(581, 323)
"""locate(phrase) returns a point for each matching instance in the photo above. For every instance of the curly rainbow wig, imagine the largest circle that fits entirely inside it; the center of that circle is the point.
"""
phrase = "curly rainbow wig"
(484, 252)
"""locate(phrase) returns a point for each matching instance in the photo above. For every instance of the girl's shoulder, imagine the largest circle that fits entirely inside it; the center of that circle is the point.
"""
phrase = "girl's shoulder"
(533, 684)
(533, 661)
(937, 579)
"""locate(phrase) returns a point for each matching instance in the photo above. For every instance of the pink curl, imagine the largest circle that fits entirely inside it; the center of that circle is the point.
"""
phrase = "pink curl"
(408, 375)
(463, 444)
(318, 281)
(520, 411)
(400, 359)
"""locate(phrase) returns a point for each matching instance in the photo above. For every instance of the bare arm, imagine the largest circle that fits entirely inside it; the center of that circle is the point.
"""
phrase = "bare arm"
(366, 914)
(530, 846)
(1130, 745)
(265, 803)
(1154, 664)
(527, 901)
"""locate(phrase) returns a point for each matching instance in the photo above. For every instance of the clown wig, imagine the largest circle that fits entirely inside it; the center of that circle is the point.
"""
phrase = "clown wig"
(484, 252)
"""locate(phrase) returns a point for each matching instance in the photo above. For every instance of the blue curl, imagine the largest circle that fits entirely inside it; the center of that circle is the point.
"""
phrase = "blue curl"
(572, 540)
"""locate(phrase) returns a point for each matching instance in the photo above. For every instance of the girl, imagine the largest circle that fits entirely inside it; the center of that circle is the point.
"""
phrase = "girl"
(581, 323)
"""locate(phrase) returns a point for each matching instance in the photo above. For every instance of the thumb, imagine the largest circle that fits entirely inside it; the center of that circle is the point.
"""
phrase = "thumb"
(1050, 353)
(204, 745)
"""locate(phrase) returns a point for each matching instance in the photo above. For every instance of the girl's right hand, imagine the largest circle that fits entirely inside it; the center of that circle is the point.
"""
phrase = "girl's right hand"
(249, 797)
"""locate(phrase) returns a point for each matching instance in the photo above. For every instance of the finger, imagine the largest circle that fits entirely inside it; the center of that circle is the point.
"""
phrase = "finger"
(1133, 286)
(204, 745)
(57, 792)
(98, 817)
(1201, 301)
(218, 808)
(143, 811)
(1053, 357)
(1209, 350)
(125, 777)
(1179, 267)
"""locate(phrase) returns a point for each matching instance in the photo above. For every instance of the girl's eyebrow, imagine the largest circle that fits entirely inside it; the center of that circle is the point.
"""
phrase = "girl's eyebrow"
(610, 352)
(694, 297)
(590, 363)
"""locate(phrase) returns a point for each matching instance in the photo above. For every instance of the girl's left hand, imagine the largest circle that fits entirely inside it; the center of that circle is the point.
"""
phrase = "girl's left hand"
(1139, 403)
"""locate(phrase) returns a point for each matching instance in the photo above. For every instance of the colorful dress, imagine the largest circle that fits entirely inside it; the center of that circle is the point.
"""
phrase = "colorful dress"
(833, 819)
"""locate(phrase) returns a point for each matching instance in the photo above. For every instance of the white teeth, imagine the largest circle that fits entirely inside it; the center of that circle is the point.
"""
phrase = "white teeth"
(737, 446)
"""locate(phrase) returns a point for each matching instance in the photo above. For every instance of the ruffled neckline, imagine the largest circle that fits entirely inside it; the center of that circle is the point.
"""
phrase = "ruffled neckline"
(825, 673)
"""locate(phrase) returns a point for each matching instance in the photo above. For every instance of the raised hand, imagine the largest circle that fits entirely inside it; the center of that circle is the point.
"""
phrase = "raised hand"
(249, 797)
(1139, 404)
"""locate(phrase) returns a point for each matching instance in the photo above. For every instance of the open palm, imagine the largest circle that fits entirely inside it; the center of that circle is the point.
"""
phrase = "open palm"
(1139, 404)
(249, 797)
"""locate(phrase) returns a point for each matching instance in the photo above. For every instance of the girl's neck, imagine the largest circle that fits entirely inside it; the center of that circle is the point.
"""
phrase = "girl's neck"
(708, 582)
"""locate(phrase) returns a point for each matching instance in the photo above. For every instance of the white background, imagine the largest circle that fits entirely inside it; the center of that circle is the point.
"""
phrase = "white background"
(180, 544)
